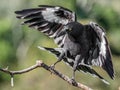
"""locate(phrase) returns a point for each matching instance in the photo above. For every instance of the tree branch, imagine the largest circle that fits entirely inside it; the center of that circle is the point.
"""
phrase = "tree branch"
(46, 67)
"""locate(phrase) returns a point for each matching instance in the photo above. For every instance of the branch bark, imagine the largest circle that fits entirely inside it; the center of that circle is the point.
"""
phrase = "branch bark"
(46, 67)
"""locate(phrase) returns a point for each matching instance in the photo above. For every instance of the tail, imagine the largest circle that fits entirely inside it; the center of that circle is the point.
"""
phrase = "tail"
(83, 68)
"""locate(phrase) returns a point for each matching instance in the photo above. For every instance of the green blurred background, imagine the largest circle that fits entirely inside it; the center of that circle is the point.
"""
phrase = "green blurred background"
(18, 45)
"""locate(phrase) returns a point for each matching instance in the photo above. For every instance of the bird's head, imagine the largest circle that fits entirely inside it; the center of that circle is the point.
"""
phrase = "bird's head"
(75, 29)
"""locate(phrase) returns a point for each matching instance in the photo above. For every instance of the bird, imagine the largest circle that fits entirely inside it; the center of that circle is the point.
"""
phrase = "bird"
(81, 46)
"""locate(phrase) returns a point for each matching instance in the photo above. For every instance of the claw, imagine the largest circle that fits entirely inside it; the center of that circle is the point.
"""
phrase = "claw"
(52, 66)
(73, 81)
(73, 78)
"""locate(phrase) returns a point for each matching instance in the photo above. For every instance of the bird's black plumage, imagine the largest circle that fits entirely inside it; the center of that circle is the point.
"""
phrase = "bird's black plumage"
(80, 46)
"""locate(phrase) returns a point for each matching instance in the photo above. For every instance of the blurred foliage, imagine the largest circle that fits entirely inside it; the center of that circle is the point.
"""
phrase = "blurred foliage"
(109, 18)
(18, 44)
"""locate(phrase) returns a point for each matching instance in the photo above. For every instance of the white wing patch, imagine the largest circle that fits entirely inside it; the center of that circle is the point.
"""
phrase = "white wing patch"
(102, 45)
(50, 16)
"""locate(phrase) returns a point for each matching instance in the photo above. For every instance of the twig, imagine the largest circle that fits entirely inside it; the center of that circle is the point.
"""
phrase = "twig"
(46, 67)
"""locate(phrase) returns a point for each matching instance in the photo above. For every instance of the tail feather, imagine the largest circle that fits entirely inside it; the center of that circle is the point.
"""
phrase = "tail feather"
(83, 68)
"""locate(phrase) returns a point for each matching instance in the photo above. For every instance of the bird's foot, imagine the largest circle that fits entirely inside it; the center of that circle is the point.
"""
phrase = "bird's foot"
(73, 82)
(52, 66)
(73, 79)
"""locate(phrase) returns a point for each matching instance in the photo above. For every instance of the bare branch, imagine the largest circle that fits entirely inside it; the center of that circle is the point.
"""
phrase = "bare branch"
(46, 67)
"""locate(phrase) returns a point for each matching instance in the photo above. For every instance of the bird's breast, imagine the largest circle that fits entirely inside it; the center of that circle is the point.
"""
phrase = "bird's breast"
(72, 47)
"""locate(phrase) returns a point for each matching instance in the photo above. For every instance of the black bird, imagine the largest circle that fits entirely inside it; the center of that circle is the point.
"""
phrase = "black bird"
(80, 46)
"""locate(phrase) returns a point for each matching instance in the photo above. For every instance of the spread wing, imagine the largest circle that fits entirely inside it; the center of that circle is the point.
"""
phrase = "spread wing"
(101, 54)
(51, 20)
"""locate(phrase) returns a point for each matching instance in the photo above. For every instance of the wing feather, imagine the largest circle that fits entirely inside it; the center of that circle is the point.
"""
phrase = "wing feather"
(51, 20)
(103, 59)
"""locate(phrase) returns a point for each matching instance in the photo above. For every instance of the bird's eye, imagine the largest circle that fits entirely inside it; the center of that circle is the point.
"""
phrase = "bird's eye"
(68, 30)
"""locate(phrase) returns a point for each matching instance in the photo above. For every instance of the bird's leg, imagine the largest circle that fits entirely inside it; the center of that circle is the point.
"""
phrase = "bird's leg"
(77, 58)
(59, 59)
